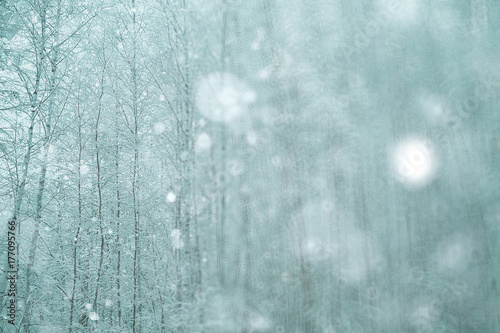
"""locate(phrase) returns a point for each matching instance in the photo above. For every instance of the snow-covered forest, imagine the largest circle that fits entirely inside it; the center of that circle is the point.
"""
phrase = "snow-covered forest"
(282, 166)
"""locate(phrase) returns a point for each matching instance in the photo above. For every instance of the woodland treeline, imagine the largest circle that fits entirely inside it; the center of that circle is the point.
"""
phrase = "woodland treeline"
(226, 166)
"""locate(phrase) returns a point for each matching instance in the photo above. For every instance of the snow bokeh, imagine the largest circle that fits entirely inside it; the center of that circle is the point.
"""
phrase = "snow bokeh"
(159, 128)
(251, 138)
(222, 97)
(434, 108)
(321, 166)
(171, 197)
(176, 239)
(425, 316)
(453, 255)
(84, 169)
(93, 316)
(357, 256)
(354, 253)
(203, 143)
(414, 162)
(258, 323)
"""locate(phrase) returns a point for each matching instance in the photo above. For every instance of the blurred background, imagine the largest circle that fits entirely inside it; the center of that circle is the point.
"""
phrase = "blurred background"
(251, 166)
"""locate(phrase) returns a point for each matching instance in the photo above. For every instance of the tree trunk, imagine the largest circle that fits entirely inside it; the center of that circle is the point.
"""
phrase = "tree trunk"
(21, 185)
(43, 172)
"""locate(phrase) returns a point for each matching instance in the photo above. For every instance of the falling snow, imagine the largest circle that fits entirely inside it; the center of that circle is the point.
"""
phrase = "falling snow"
(176, 238)
(171, 197)
(222, 97)
(159, 128)
(84, 169)
(203, 143)
(415, 162)
(250, 166)
(93, 316)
